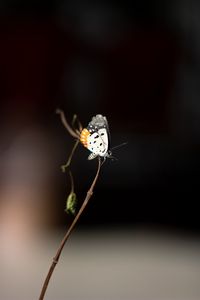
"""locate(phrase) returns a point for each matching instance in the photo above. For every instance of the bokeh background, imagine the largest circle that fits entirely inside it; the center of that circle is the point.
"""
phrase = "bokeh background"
(137, 63)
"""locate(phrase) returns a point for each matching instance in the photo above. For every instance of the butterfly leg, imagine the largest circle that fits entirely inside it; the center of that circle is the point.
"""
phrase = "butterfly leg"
(92, 156)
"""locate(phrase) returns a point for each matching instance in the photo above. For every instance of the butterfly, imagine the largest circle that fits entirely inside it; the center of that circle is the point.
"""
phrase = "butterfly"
(96, 138)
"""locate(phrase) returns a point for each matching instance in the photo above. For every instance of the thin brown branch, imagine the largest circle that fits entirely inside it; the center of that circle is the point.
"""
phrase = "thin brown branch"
(64, 167)
(72, 132)
(76, 120)
(61, 246)
(72, 182)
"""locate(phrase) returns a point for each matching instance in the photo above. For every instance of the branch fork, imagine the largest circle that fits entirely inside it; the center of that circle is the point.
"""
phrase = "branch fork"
(75, 133)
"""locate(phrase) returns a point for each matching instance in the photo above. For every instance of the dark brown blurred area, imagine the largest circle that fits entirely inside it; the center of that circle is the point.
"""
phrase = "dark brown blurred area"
(131, 63)
(137, 63)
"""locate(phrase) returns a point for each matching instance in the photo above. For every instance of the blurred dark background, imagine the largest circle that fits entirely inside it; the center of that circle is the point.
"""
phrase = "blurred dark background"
(137, 63)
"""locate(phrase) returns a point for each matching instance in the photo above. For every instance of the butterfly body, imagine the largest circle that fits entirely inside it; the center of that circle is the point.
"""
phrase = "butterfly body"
(96, 137)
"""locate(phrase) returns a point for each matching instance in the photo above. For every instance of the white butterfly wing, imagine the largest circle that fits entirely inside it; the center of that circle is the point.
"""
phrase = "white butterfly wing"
(98, 142)
(104, 137)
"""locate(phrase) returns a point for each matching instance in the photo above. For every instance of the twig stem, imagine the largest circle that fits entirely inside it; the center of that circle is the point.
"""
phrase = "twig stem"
(61, 246)
(66, 125)
(64, 167)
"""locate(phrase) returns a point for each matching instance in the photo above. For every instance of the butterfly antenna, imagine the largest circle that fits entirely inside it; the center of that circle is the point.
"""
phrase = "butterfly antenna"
(120, 145)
